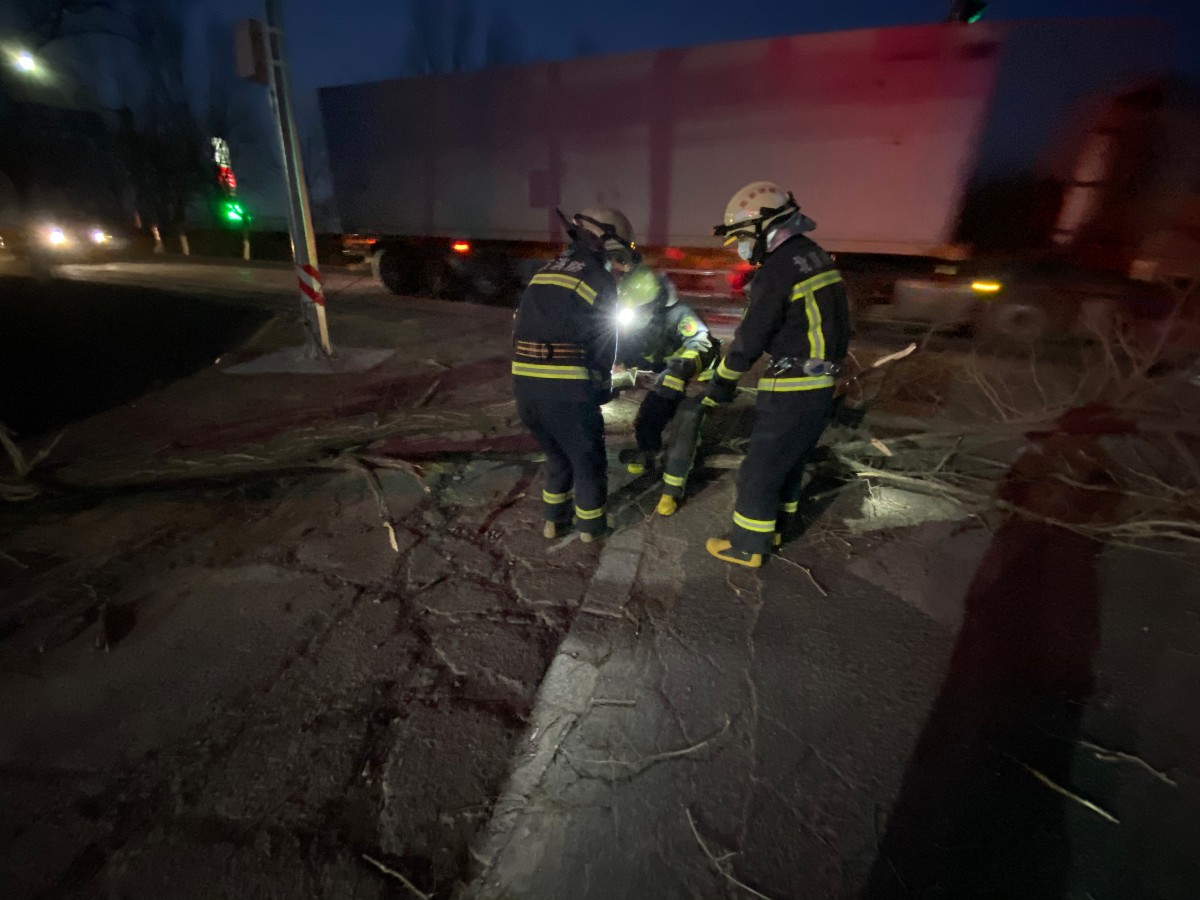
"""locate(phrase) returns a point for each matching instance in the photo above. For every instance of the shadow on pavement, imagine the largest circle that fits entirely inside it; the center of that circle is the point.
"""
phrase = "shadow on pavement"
(973, 819)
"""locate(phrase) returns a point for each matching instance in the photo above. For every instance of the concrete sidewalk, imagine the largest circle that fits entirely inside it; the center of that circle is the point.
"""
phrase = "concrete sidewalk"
(706, 731)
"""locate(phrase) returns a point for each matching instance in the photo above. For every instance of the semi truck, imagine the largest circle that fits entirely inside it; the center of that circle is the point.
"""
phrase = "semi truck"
(1004, 176)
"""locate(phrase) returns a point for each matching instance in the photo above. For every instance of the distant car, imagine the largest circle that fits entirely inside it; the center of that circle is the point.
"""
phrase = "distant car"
(59, 239)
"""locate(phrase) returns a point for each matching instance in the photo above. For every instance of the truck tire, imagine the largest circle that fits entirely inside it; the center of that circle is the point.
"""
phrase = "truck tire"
(399, 270)
(1017, 322)
(492, 280)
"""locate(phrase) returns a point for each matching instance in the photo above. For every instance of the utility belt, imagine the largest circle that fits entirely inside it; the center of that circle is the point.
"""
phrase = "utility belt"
(784, 366)
(549, 351)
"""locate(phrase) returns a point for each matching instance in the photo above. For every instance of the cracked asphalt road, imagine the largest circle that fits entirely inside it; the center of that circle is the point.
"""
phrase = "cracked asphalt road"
(272, 691)
(239, 688)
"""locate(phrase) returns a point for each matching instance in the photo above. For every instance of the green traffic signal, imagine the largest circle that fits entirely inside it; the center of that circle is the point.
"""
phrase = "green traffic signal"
(234, 213)
(968, 11)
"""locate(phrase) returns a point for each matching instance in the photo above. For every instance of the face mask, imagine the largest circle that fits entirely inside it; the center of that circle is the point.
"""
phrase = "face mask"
(746, 250)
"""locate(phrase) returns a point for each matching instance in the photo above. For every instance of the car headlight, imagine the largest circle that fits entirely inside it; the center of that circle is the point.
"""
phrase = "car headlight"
(56, 237)
(99, 237)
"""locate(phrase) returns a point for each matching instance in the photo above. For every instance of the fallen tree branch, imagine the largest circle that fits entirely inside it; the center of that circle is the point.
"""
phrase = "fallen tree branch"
(428, 395)
(1106, 755)
(806, 571)
(18, 488)
(720, 863)
(638, 766)
(1059, 789)
(387, 870)
(385, 514)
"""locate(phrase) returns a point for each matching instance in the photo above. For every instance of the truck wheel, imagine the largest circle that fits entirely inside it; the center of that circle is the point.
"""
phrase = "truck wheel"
(492, 279)
(399, 271)
(1023, 322)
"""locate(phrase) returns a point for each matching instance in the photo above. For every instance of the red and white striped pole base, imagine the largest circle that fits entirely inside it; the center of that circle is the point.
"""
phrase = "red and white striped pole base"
(309, 279)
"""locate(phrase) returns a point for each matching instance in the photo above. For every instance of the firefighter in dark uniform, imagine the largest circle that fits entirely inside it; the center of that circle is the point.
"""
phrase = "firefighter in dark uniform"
(663, 335)
(798, 313)
(564, 346)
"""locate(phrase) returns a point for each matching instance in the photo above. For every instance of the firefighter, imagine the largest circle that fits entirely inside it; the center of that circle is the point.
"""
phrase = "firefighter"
(564, 346)
(661, 334)
(797, 313)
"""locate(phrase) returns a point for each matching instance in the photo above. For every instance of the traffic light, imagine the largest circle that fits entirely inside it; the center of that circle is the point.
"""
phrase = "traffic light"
(233, 213)
(968, 11)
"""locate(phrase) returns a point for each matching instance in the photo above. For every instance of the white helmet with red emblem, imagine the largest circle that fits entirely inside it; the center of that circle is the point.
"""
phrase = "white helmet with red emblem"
(753, 213)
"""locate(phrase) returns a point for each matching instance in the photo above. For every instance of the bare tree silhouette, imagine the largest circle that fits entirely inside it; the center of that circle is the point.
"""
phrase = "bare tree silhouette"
(451, 36)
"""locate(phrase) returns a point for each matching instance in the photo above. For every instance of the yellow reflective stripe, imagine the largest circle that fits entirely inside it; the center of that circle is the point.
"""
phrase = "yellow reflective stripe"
(686, 354)
(556, 499)
(675, 384)
(807, 289)
(706, 375)
(814, 284)
(556, 279)
(787, 385)
(727, 373)
(533, 370)
(762, 526)
(587, 292)
(674, 480)
(816, 336)
(589, 514)
(709, 401)
(790, 507)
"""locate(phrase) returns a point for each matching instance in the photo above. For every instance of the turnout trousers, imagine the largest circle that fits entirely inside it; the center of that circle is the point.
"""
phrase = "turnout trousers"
(571, 434)
(787, 426)
(681, 455)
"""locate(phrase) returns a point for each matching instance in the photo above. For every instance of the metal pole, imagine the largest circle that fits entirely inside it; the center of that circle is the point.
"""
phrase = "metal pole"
(304, 243)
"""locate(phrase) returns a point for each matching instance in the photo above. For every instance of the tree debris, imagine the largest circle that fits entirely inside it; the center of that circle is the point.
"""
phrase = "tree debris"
(1059, 789)
(720, 863)
(638, 766)
(1105, 755)
(808, 572)
(428, 395)
(387, 870)
(16, 488)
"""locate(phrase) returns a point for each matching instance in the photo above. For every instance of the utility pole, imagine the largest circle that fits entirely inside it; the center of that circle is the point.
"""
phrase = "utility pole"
(260, 58)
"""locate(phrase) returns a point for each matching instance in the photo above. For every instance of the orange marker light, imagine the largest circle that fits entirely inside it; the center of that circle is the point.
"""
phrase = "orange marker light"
(460, 247)
(985, 287)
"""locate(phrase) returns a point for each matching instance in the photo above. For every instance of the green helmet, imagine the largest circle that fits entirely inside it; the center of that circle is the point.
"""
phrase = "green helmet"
(637, 288)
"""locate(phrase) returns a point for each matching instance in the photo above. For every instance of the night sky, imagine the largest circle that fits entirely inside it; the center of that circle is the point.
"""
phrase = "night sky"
(340, 43)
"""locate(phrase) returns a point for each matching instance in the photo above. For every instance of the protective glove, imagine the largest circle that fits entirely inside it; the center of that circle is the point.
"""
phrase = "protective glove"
(720, 391)
(624, 380)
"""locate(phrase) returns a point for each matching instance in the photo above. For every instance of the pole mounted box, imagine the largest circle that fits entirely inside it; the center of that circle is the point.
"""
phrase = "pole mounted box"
(250, 51)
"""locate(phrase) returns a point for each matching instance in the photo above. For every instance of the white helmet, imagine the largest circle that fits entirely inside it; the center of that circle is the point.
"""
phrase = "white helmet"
(751, 213)
(612, 227)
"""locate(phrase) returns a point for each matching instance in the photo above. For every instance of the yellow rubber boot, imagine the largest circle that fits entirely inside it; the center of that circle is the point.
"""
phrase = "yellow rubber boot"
(723, 550)
(589, 536)
(635, 468)
(666, 505)
(550, 530)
